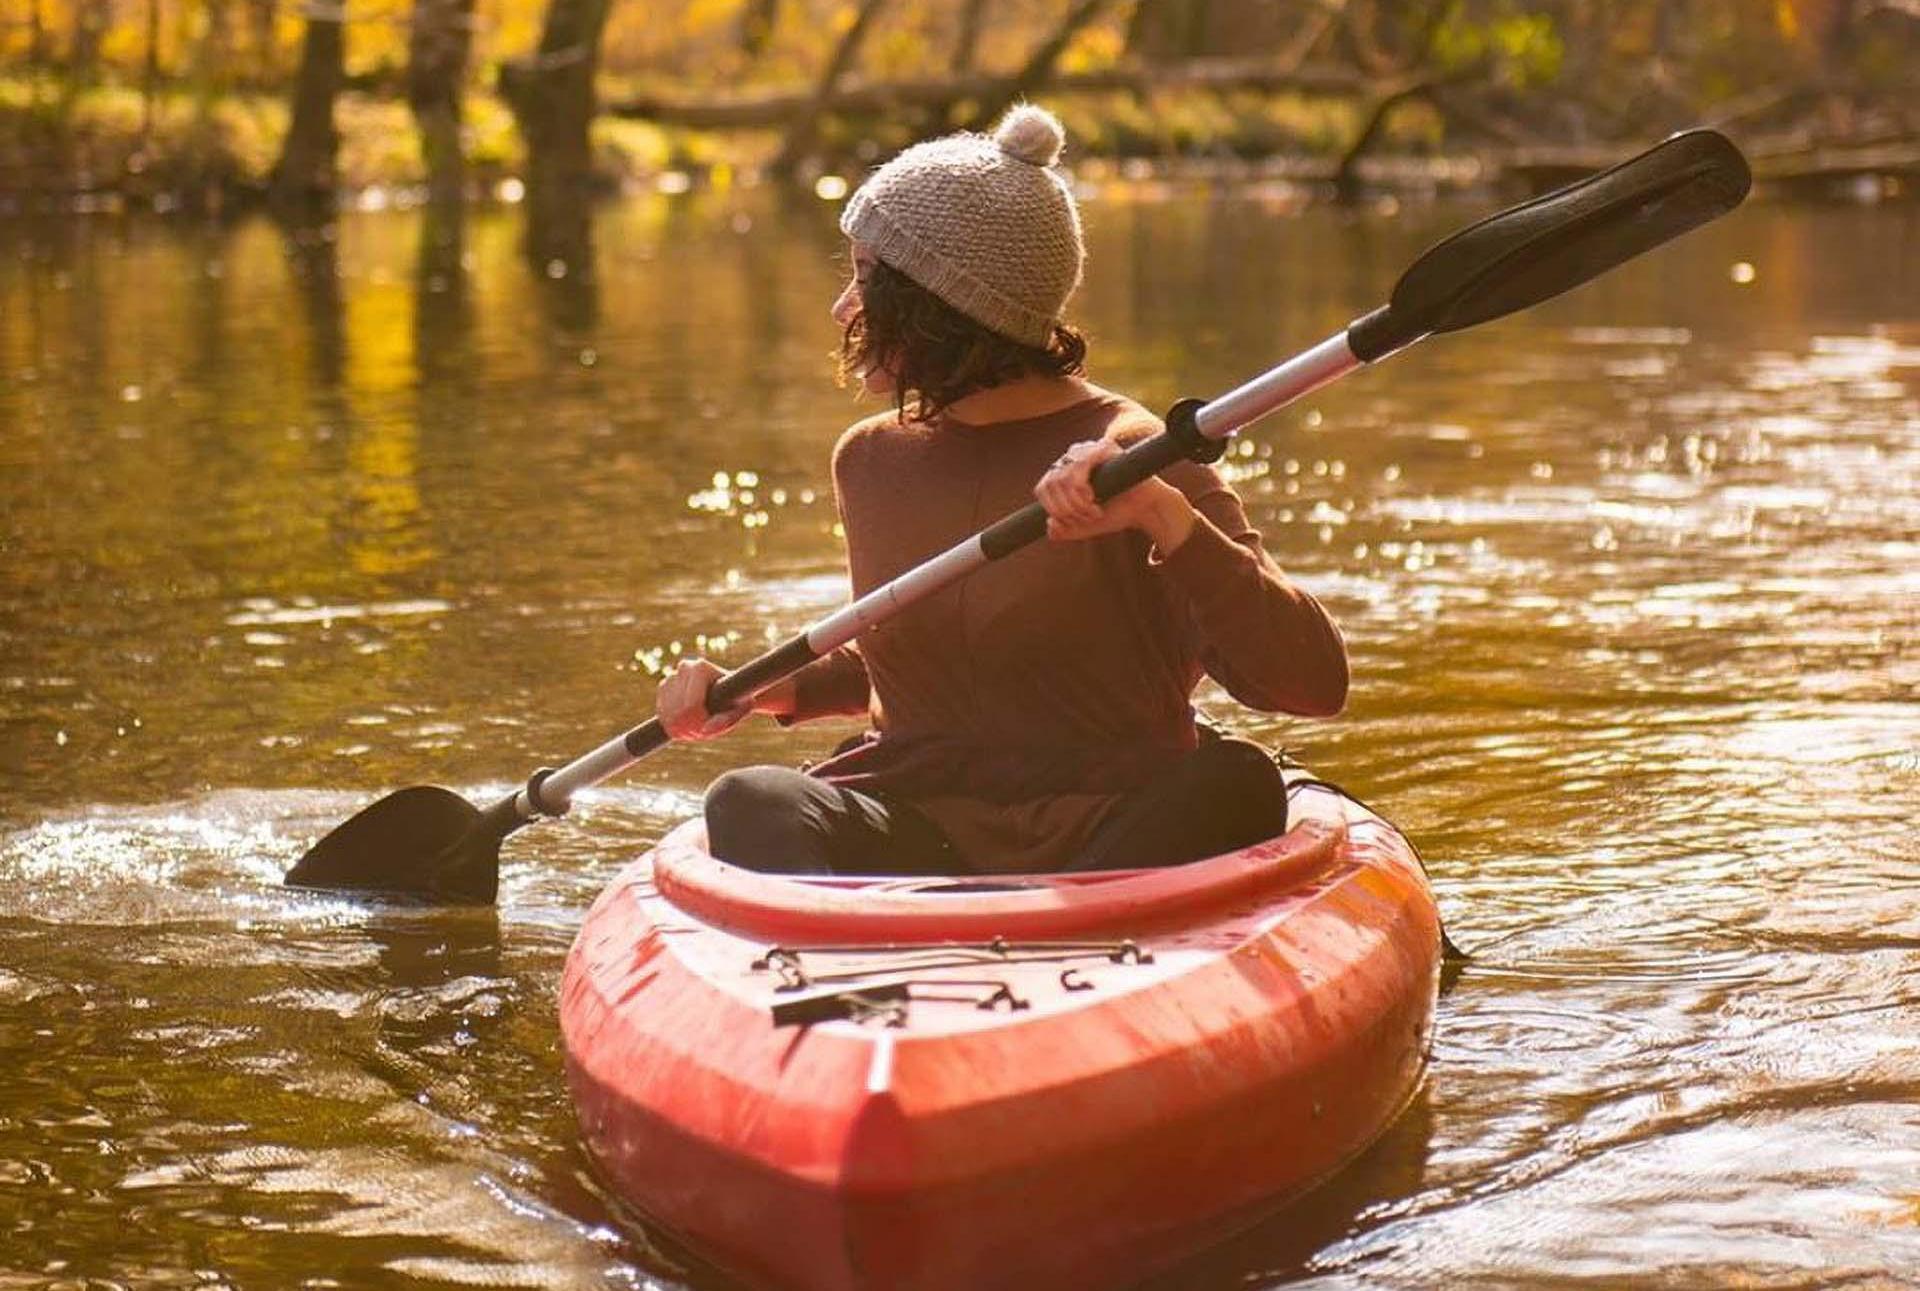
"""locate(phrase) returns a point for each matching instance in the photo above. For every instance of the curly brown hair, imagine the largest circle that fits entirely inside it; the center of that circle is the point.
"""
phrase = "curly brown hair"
(936, 354)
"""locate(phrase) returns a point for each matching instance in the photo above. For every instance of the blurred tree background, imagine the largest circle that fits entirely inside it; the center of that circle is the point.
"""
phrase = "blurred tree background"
(209, 102)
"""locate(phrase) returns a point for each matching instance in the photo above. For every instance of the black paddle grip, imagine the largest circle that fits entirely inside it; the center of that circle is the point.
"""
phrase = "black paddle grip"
(646, 737)
(785, 659)
(1009, 534)
(750, 678)
(1373, 336)
(1181, 441)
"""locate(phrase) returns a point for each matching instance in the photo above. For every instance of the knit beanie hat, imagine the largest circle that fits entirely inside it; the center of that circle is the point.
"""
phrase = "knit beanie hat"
(984, 223)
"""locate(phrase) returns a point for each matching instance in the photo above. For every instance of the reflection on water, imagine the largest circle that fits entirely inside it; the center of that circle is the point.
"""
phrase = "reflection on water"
(290, 519)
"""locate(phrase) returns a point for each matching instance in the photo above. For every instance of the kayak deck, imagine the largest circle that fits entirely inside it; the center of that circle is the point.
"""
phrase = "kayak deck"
(816, 1088)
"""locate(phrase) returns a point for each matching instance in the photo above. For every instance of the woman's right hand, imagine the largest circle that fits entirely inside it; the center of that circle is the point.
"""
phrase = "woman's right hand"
(681, 702)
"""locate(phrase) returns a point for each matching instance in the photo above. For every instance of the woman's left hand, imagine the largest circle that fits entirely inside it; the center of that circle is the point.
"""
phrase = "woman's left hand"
(1153, 506)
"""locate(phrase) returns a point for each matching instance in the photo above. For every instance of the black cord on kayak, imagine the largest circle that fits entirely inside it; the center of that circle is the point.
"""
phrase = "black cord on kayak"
(1448, 950)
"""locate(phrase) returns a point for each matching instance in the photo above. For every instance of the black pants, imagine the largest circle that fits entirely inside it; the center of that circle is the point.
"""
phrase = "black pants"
(1224, 795)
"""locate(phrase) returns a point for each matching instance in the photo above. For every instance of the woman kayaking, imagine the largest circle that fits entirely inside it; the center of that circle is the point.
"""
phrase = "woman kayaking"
(1038, 715)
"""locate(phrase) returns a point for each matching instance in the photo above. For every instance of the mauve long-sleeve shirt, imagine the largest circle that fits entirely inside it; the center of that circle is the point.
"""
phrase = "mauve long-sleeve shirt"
(1017, 708)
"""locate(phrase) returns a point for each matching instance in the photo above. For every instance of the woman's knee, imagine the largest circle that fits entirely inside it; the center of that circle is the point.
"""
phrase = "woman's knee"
(1246, 783)
(760, 817)
(746, 792)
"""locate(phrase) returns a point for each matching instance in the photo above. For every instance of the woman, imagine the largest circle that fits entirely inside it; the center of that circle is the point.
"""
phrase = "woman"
(1035, 716)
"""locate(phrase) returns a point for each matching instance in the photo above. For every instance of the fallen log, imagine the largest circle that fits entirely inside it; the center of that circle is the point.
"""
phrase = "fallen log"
(866, 97)
(1832, 169)
(1784, 165)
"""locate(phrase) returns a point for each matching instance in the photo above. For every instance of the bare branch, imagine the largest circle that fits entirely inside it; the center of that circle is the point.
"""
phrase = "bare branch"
(1039, 65)
(795, 148)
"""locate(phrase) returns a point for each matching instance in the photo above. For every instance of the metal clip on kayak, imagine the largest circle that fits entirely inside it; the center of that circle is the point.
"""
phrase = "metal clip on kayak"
(893, 961)
(887, 1003)
(793, 976)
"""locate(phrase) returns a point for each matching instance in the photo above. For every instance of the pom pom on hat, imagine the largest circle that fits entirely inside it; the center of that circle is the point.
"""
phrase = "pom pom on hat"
(1030, 134)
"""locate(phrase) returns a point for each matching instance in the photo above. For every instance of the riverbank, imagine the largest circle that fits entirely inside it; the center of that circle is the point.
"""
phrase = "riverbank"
(108, 149)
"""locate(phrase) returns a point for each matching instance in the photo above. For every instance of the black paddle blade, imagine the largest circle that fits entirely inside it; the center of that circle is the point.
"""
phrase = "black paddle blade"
(1535, 251)
(423, 843)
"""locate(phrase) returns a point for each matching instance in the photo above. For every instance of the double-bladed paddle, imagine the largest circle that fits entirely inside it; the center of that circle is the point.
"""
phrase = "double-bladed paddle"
(427, 843)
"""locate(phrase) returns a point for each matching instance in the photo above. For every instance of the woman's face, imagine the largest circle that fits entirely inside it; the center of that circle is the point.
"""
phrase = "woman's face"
(876, 379)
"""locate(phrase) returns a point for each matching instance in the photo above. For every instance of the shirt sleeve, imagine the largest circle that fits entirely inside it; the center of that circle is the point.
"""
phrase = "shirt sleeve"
(1267, 640)
(833, 685)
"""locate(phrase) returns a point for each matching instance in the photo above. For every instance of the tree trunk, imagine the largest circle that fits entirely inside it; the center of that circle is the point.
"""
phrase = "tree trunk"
(263, 13)
(757, 20)
(1669, 23)
(1166, 30)
(150, 77)
(442, 305)
(305, 176)
(966, 43)
(314, 258)
(90, 18)
(1161, 31)
(210, 65)
(552, 98)
(436, 66)
(1839, 45)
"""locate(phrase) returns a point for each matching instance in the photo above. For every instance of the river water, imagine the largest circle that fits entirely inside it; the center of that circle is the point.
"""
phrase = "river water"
(1632, 586)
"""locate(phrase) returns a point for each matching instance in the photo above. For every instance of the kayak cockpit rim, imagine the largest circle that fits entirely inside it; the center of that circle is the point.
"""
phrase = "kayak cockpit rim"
(785, 910)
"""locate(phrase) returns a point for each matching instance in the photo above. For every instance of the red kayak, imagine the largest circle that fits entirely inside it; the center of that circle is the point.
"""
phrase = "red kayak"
(1060, 1081)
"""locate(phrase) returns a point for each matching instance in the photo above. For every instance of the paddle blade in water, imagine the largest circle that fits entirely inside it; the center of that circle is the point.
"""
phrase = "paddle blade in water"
(1535, 251)
(420, 842)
